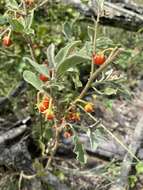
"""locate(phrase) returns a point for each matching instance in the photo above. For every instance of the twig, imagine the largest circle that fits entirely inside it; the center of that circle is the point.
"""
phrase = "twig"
(54, 149)
(22, 175)
(32, 52)
(42, 3)
(94, 43)
(20, 180)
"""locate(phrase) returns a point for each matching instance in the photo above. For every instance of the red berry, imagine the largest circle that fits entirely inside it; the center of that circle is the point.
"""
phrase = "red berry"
(88, 107)
(99, 59)
(6, 41)
(43, 78)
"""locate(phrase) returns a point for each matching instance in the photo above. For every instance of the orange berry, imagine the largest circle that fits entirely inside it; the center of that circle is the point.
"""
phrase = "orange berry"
(73, 116)
(77, 116)
(43, 78)
(45, 102)
(99, 59)
(70, 116)
(89, 107)
(42, 108)
(6, 41)
(49, 115)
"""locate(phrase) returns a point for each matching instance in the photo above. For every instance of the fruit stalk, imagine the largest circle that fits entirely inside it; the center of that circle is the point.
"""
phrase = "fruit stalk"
(94, 42)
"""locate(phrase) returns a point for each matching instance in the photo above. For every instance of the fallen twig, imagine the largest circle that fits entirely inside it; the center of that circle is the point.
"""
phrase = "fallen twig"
(122, 181)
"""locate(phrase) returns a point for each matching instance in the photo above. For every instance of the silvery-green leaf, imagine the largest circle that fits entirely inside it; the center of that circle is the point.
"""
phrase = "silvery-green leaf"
(110, 91)
(40, 68)
(29, 19)
(67, 30)
(65, 52)
(31, 78)
(51, 56)
(17, 26)
(79, 150)
(12, 4)
(93, 139)
(70, 62)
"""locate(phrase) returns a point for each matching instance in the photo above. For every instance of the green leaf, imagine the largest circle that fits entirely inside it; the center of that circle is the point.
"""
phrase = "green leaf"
(123, 59)
(67, 30)
(31, 78)
(29, 19)
(110, 91)
(66, 51)
(104, 42)
(70, 62)
(139, 167)
(79, 150)
(51, 56)
(43, 69)
(3, 20)
(87, 49)
(16, 25)
(132, 180)
(37, 165)
(47, 133)
(12, 4)
(93, 139)
(75, 76)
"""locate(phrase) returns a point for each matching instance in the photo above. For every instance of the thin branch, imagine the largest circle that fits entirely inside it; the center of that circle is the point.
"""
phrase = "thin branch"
(32, 52)
(94, 44)
(113, 136)
(122, 181)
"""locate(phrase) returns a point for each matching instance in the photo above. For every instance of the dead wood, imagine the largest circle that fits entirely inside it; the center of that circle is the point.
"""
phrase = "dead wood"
(121, 14)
